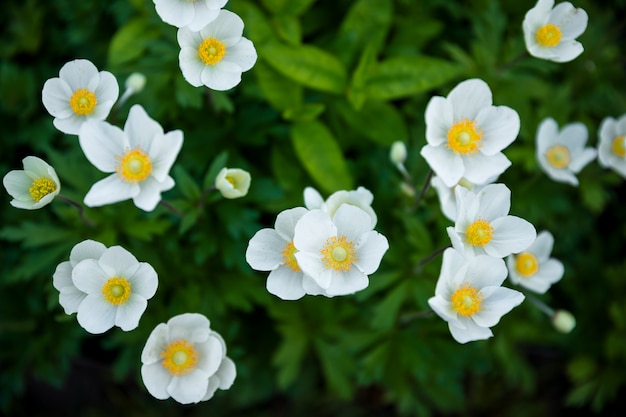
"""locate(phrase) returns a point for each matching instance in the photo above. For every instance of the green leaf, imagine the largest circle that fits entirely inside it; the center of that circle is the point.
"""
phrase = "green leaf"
(216, 166)
(337, 365)
(288, 28)
(187, 95)
(367, 62)
(34, 235)
(186, 183)
(295, 7)
(307, 112)
(377, 120)
(281, 92)
(131, 40)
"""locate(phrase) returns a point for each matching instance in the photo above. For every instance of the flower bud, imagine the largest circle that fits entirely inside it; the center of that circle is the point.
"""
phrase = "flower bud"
(136, 82)
(233, 183)
(563, 321)
(398, 152)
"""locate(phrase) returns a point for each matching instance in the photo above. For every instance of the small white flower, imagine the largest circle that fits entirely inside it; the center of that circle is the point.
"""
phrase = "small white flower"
(483, 225)
(194, 14)
(338, 253)
(447, 196)
(563, 154)
(533, 268)
(469, 296)
(80, 93)
(550, 32)
(186, 360)
(139, 157)
(217, 54)
(233, 183)
(612, 146)
(361, 198)
(466, 134)
(563, 321)
(33, 187)
(70, 297)
(118, 288)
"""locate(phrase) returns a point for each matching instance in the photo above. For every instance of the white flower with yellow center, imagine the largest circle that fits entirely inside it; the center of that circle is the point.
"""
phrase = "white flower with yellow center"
(469, 295)
(466, 134)
(217, 54)
(483, 225)
(361, 198)
(80, 93)
(563, 154)
(338, 253)
(140, 158)
(118, 288)
(33, 187)
(194, 14)
(186, 360)
(233, 183)
(550, 32)
(447, 196)
(612, 146)
(533, 268)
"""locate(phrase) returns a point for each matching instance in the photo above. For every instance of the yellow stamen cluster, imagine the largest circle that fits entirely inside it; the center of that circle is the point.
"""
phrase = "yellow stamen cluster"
(288, 257)
(558, 156)
(466, 300)
(548, 35)
(116, 290)
(211, 51)
(338, 253)
(41, 187)
(134, 166)
(464, 137)
(526, 264)
(179, 357)
(619, 146)
(83, 101)
(479, 233)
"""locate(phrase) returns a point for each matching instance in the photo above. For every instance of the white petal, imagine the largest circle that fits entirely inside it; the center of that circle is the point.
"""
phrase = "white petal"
(163, 151)
(264, 251)
(192, 327)
(457, 241)
(470, 333)
(547, 133)
(70, 125)
(574, 136)
(285, 283)
(202, 16)
(351, 222)
(227, 27)
(511, 235)
(372, 247)
(484, 271)
(190, 388)
(214, 384)
(110, 190)
(452, 262)
(222, 76)
(347, 282)
(210, 354)
(17, 184)
(446, 164)
(582, 159)
(149, 193)
(311, 264)
(498, 301)
(500, 126)
(312, 199)
(542, 246)
(141, 129)
(128, 314)
(120, 260)
(442, 308)
(566, 51)
(226, 373)
(89, 277)
(175, 13)
(468, 98)
(312, 231)
(439, 119)
(156, 379)
(242, 53)
(70, 298)
(495, 201)
(55, 96)
(190, 65)
(479, 168)
(286, 221)
(95, 314)
(101, 143)
(87, 249)
(571, 21)
(155, 344)
(78, 73)
(144, 281)
(62, 276)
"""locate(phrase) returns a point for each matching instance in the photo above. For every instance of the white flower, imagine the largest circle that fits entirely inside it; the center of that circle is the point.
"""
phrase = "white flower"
(469, 296)
(447, 196)
(33, 187)
(70, 297)
(612, 146)
(80, 93)
(563, 154)
(233, 183)
(483, 225)
(118, 288)
(217, 54)
(550, 33)
(338, 253)
(361, 198)
(186, 360)
(194, 14)
(533, 268)
(139, 157)
(466, 134)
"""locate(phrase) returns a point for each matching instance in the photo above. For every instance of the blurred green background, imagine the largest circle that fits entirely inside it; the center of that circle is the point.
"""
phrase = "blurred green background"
(335, 84)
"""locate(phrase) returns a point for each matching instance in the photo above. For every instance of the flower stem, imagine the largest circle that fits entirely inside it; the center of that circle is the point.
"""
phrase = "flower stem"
(408, 317)
(204, 195)
(80, 209)
(171, 208)
(540, 304)
(424, 261)
(512, 62)
(424, 189)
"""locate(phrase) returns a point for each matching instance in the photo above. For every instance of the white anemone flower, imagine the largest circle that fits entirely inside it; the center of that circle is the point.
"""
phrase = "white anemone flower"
(186, 360)
(140, 158)
(70, 297)
(118, 288)
(466, 134)
(447, 196)
(562, 154)
(217, 54)
(194, 14)
(483, 225)
(533, 268)
(550, 32)
(612, 146)
(338, 253)
(33, 187)
(80, 93)
(469, 295)
(361, 198)
(233, 183)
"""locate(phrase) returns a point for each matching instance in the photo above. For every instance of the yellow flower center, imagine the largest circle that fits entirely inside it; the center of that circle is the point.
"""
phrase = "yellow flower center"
(41, 187)
(83, 101)
(338, 253)
(116, 290)
(526, 264)
(479, 233)
(211, 51)
(558, 156)
(548, 35)
(288, 257)
(134, 166)
(619, 146)
(466, 300)
(464, 137)
(179, 357)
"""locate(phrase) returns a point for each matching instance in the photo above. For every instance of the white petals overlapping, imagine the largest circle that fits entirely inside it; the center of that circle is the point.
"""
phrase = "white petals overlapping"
(361, 198)
(233, 182)
(192, 14)
(33, 187)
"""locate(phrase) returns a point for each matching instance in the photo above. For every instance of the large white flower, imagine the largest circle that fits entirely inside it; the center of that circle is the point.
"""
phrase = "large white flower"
(550, 32)
(447, 196)
(533, 268)
(361, 198)
(139, 157)
(469, 296)
(612, 146)
(563, 154)
(338, 253)
(33, 187)
(118, 288)
(186, 360)
(80, 93)
(483, 225)
(233, 183)
(194, 14)
(466, 134)
(217, 54)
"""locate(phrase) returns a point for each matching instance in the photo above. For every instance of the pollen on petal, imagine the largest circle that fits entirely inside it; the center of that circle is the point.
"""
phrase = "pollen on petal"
(466, 300)
(134, 166)
(179, 357)
(211, 51)
(116, 290)
(288, 257)
(83, 102)
(479, 233)
(464, 137)
(338, 253)
(41, 187)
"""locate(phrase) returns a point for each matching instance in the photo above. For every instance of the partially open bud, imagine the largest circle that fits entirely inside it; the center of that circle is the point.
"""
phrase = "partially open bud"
(563, 321)
(233, 183)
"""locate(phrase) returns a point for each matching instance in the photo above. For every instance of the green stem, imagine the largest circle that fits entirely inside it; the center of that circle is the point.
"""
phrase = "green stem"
(80, 209)
(424, 261)
(424, 189)
(512, 62)
(171, 208)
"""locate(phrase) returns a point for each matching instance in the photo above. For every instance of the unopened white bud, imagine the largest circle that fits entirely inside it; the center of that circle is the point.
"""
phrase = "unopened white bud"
(136, 82)
(398, 152)
(563, 321)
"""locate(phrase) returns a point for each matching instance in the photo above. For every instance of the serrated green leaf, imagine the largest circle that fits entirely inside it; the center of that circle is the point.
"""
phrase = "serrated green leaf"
(386, 311)
(34, 235)
(290, 353)
(131, 40)
(337, 365)
(376, 120)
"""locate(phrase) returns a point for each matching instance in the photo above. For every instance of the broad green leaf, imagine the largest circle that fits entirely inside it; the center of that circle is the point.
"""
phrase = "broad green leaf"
(307, 112)
(295, 7)
(288, 28)
(185, 183)
(367, 62)
(187, 95)
(281, 92)
(377, 120)
(131, 40)
(258, 28)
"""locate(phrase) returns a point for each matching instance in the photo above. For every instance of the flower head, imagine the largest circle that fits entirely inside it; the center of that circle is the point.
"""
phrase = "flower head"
(186, 360)
(139, 157)
(550, 32)
(612, 146)
(193, 14)
(80, 93)
(217, 54)
(233, 183)
(33, 187)
(466, 134)
(361, 198)
(447, 195)
(469, 296)
(563, 154)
